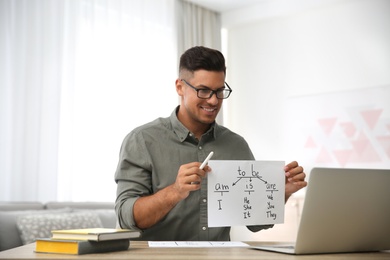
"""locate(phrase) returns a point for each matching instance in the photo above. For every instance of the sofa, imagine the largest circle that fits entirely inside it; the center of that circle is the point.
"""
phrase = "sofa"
(22, 222)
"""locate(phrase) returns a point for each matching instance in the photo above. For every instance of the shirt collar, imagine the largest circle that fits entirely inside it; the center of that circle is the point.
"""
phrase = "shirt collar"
(182, 132)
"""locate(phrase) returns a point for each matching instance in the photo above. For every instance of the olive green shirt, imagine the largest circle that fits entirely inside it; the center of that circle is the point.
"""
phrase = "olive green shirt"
(150, 158)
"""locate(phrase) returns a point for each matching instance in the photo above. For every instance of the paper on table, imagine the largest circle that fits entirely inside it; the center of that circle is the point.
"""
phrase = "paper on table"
(196, 244)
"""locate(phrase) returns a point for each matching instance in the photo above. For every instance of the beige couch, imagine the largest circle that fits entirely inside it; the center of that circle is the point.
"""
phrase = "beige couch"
(22, 222)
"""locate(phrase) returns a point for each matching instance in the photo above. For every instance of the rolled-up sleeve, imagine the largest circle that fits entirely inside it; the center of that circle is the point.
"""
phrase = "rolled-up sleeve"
(133, 178)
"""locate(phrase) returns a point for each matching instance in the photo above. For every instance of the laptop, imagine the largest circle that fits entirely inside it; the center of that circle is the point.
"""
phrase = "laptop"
(345, 210)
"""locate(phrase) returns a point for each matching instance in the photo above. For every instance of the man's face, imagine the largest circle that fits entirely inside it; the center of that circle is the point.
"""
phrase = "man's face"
(195, 112)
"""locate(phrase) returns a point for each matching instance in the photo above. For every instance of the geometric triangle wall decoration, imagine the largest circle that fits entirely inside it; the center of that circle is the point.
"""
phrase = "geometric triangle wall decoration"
(384, 141)
(371, 117)
(327, 124)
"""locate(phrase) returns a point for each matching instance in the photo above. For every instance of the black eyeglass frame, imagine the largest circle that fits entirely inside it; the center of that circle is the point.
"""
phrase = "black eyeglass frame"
(229, 90)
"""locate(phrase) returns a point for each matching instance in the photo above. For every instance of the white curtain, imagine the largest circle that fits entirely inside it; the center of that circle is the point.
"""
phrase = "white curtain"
(30, 91)
(75, 78)
(198, 27)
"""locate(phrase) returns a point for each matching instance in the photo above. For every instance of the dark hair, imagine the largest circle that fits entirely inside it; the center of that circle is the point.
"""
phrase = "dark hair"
(199, 57)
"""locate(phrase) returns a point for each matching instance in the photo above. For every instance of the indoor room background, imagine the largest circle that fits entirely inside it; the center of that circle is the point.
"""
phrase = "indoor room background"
(310, 80)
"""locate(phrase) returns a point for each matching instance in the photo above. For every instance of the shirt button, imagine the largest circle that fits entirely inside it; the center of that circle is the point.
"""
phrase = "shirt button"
(200, 147)
(204, 200)
(204, 228)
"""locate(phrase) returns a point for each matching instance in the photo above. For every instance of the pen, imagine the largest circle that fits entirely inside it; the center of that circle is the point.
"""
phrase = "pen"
(203, 165)
(206, 160)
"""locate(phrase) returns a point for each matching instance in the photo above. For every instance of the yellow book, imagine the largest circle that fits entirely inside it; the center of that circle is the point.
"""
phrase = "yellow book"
(95, 234)
(47, 245)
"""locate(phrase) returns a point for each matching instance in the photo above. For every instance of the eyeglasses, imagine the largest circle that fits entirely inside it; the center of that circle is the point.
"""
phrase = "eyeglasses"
(206, 93)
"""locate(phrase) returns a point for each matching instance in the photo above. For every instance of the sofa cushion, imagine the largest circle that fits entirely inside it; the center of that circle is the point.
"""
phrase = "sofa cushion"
(105, 210)
(9, 234)
(36, 226)
(107, 216)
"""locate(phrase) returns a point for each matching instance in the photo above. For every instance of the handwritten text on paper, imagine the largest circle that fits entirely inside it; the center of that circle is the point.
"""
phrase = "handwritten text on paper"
(245, 193)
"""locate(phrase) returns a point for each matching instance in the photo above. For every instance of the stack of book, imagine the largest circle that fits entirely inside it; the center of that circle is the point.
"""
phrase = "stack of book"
(86, 241)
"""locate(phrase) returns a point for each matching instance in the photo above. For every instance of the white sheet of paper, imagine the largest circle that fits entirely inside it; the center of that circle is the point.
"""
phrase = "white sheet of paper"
(196, 244)
(245, 193)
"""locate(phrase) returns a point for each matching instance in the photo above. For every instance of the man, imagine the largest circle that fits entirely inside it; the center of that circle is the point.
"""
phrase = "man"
(160, 188)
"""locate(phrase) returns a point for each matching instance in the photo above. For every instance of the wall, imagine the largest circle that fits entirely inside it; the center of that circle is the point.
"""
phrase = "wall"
(290, 53)
(337, 47)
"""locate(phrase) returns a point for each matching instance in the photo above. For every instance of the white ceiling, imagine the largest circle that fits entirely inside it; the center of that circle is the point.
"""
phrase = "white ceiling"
(225, 5)
(235, 12)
